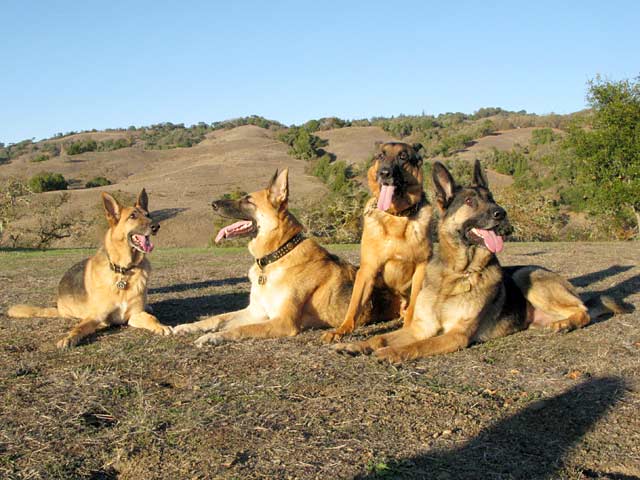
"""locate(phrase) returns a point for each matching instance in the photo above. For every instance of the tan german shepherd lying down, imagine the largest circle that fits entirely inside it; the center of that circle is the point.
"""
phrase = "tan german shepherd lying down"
(467, 297)
(295, 283)
(109, 288)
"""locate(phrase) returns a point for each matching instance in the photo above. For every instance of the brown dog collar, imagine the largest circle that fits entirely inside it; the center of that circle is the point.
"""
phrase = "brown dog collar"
(281, 251)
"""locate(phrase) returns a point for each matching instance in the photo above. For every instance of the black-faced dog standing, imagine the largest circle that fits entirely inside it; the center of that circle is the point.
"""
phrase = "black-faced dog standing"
(467, 296)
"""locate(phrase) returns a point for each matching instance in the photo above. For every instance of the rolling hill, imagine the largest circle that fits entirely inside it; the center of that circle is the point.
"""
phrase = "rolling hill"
(182, 181)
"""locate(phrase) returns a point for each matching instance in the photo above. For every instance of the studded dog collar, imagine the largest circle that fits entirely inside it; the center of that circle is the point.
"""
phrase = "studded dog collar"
(281, 251)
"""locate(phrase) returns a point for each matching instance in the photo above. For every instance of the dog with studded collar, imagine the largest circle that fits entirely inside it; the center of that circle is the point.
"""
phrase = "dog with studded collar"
(109, 288)
(295, 283)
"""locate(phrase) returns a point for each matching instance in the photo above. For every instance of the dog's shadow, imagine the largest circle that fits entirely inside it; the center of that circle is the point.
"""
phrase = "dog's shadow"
(620, 291)
(531, 444)
(183, 287)
(187, 310)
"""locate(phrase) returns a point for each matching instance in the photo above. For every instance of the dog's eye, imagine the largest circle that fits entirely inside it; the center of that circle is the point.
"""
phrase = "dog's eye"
(402, 156)
(133, 216)
(469, 201)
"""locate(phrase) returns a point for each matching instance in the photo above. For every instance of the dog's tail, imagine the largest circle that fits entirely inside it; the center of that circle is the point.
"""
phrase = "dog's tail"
(29, 311)
(605, 305)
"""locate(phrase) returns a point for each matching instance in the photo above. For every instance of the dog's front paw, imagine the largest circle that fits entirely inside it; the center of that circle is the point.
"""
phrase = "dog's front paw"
(359, 348)
(184, 329)
(162, 329)
(331, 337)
(210, 338)
(67, 342)
(391, 355)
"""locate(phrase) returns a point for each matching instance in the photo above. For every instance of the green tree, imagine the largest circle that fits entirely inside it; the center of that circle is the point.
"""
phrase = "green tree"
(608, 150)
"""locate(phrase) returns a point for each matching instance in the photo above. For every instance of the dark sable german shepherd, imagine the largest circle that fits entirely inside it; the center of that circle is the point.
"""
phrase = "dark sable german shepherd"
(467, 296)
(109, 288)
(396, 244)
(295, 283)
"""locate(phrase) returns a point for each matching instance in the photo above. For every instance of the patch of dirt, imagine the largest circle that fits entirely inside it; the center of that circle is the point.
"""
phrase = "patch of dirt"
(129, 405)
(354, 145)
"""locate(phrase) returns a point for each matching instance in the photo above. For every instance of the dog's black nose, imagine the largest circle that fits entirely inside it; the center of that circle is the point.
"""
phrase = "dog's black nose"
(498, 213)
(215, 205)
(154, 228)
(384, 172)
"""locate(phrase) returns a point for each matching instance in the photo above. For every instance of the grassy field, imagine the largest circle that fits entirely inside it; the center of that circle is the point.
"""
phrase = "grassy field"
(129, 405)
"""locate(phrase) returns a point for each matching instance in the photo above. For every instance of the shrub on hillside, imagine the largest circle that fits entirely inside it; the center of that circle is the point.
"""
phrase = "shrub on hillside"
(110, 145)
(512, 163)
(97, 182)
(52, 149)
(303, 145)
(81, 146)
(236, 194)
(47, 182)
(40, 158)
(541, 136)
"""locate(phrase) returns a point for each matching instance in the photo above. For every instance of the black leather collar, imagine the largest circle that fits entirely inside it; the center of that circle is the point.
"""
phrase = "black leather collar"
(280, 252)
(118, 269)
(413, 209)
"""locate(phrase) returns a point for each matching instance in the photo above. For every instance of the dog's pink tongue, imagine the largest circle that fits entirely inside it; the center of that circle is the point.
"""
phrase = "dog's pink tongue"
(386, 195)
(493, 242)
(234, 228)
(145, 243)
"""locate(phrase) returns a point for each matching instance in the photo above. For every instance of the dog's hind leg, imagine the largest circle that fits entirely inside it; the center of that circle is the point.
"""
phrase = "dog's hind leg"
(555, 302)
(81, 330)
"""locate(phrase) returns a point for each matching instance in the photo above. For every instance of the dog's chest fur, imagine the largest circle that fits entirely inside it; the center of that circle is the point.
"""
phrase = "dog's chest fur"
(271, 294)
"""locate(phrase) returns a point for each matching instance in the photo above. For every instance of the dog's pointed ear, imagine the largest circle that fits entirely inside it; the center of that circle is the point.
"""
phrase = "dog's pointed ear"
(444, 183)
(279, 189)
(273, 180)
(111, 209)
(143, 200)
(479, 176)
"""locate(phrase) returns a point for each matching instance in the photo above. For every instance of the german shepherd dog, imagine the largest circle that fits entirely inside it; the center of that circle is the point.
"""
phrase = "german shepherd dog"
(109, 288)
(467, 296)
(295, 283)
(396, 243)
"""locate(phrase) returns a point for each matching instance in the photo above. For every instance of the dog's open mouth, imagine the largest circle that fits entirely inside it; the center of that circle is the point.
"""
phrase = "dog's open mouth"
(488, 238)
(386, 196)
(140, 242)
(238, 229)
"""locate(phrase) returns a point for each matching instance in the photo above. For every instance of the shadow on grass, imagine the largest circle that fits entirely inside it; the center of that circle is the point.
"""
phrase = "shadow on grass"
(530, 444)
(166, 214)
(183, 287)
(593, 277)
(186, 310)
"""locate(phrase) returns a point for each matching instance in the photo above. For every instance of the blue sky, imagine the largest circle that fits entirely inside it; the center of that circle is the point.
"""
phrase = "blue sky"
(82, 65)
